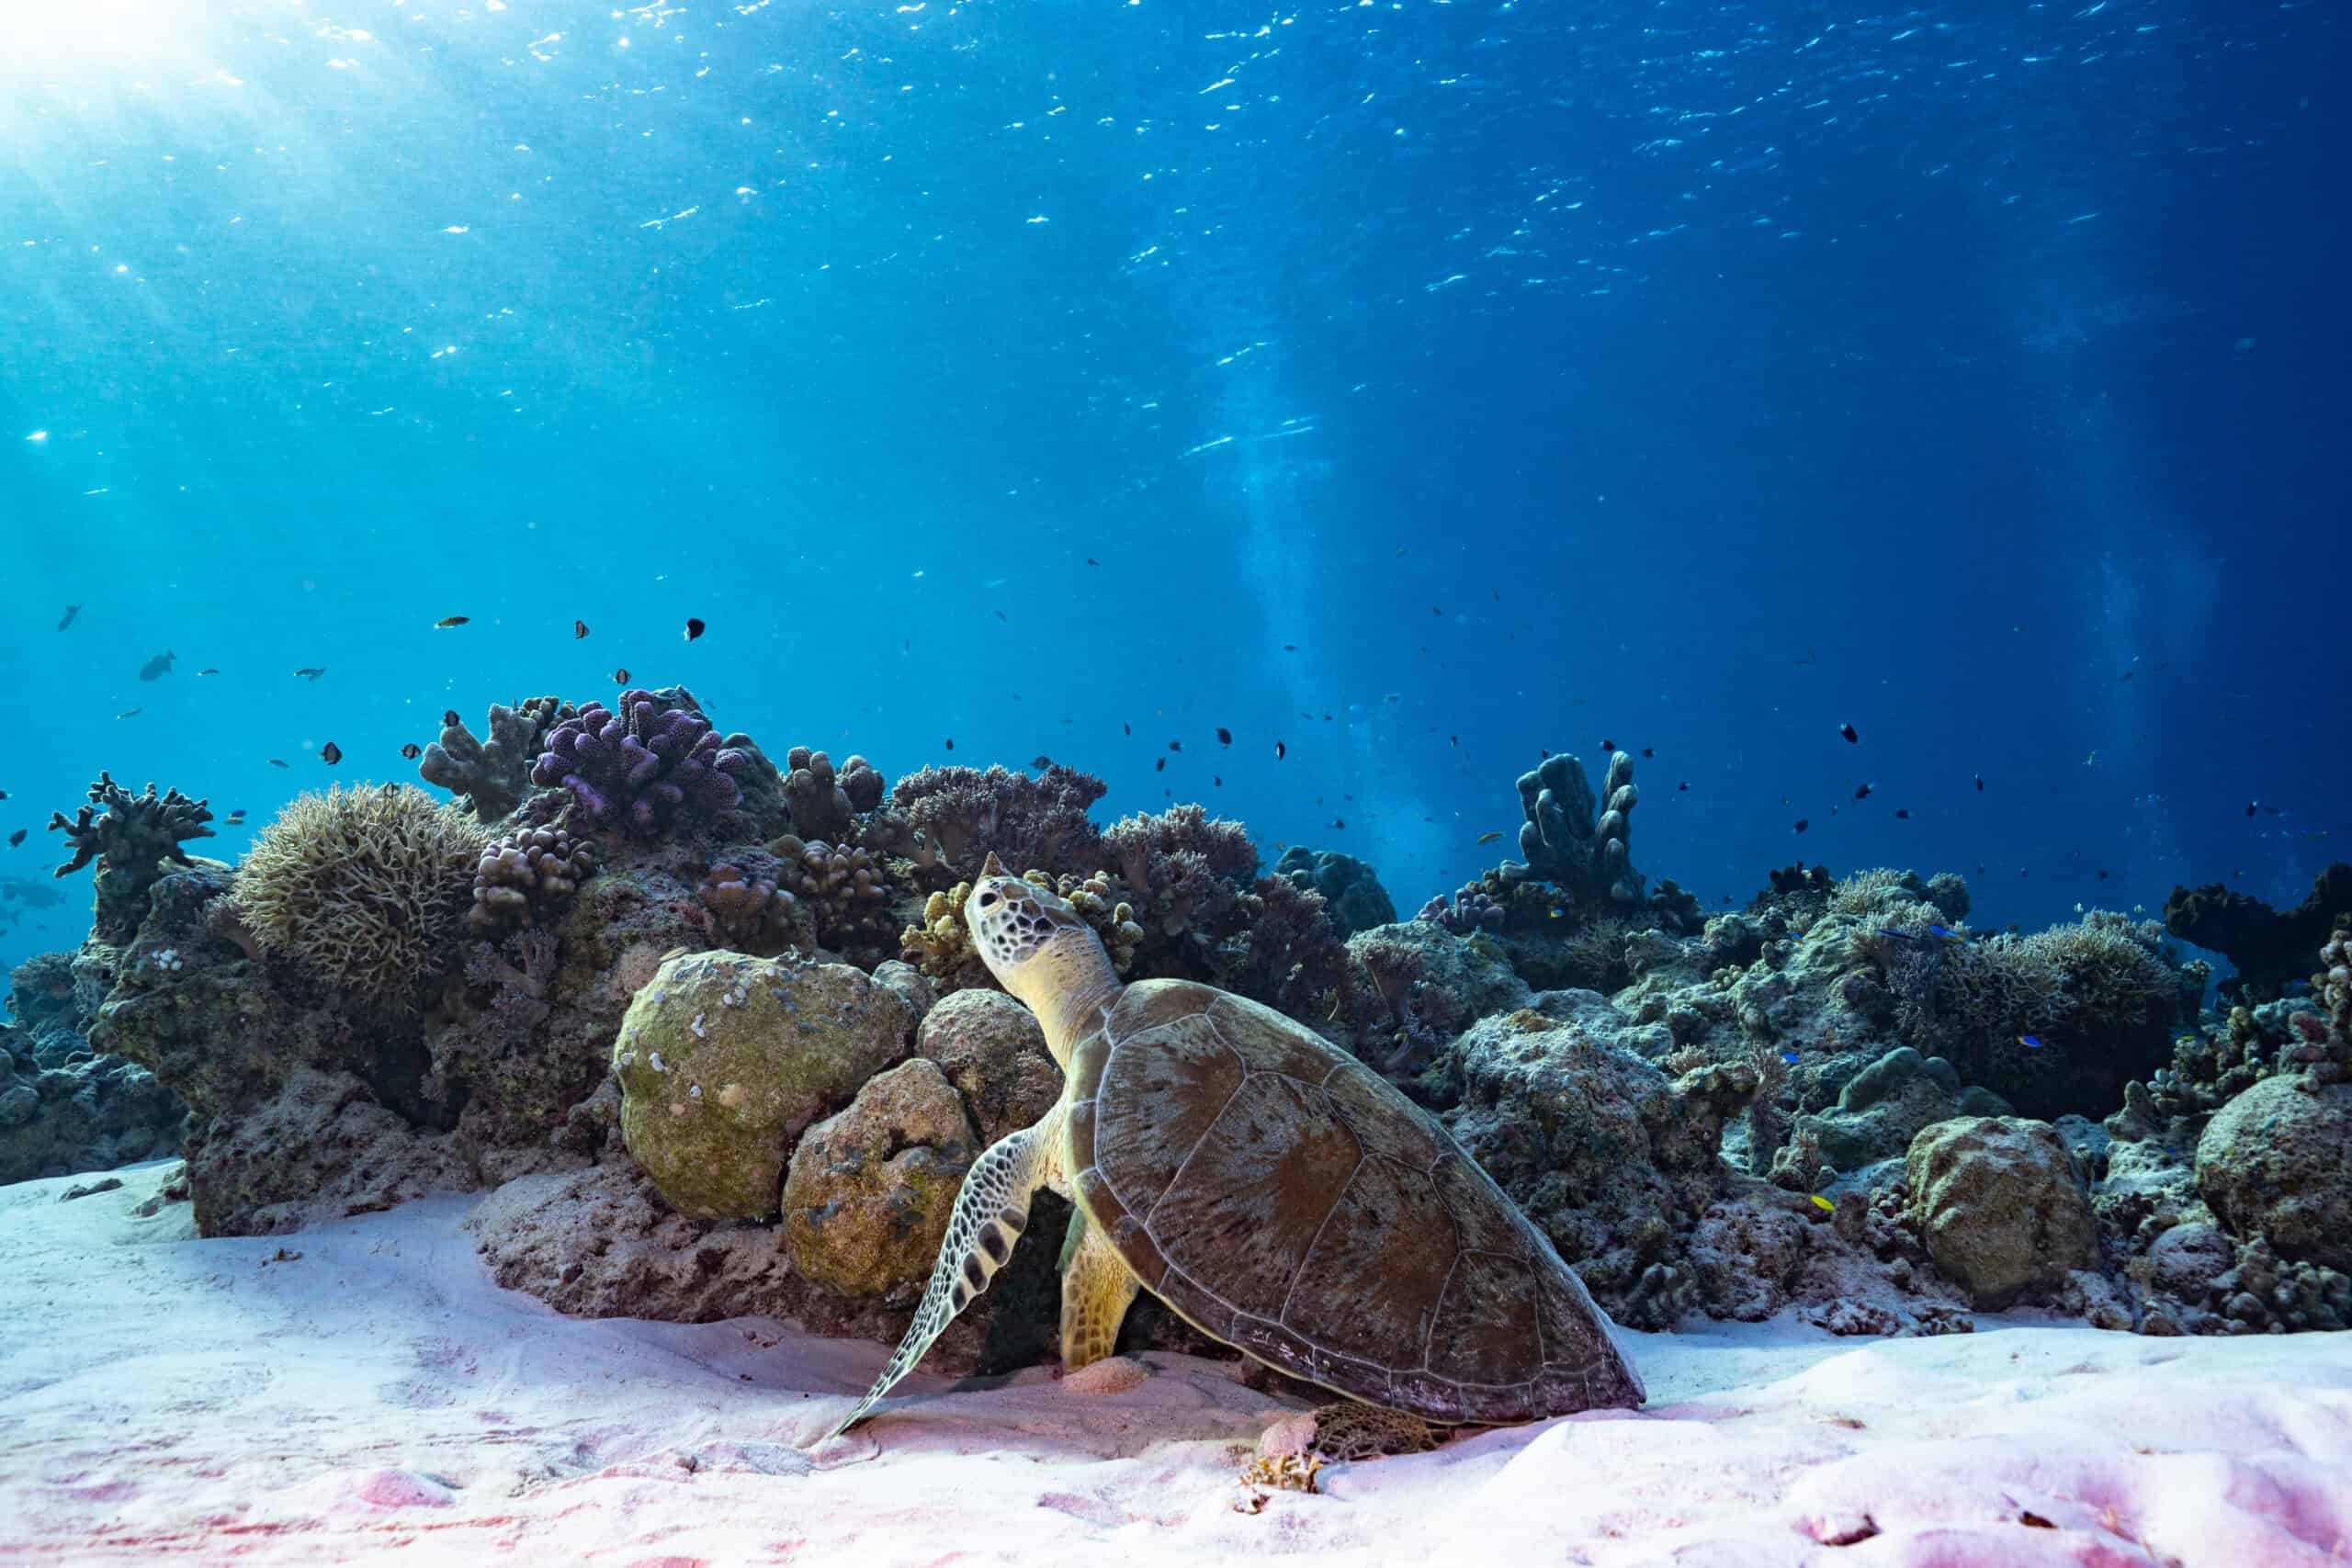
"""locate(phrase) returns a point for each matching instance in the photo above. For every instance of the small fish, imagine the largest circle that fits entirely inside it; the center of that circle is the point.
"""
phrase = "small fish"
(1338, 822)
(446, 622)
(1609, 745)
(16, 838)
(329, 754)
(579, 630)
(951, 743)
(2127, 675)
(2187, 1039)
(70, 611)
(207, 672)
(130, 713)
(694, 628)
(620, 677)
(1042, 761)
(1485, 838)
(1947, 933)
(2251, 807)
(311, 672)
(1789, 1057)
(1980, 783)
(1802, 823)
(2030, 1042)
(1457, 739)
(234, 817)
(3, 794)
(999, 614)
(1555, 913)
(1126, 728)
(1861, 792)
(1903, 813)
(1649, 751)
(2092, 760)
(1175, 745)
(1224, 735)
(1890, 931)
(2103, 875)
(412, 751)
(449, 718)
(1159, 765)
(1853, 736)
(157, 667)
(1281, 750)
(1091, 561)
(276, 762)
(1290, 648)
(1683, 786)
(1824, 1204)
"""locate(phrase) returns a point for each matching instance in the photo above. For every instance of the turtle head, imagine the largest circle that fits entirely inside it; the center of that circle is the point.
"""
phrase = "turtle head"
(1042, 951)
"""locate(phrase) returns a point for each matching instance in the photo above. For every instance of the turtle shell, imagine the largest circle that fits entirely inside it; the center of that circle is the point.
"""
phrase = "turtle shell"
(1287, 1199)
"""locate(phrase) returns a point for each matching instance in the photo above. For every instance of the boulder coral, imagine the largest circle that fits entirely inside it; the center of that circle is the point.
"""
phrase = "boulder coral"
(725, 1059)
(2001, 1208)
(2273, 1163)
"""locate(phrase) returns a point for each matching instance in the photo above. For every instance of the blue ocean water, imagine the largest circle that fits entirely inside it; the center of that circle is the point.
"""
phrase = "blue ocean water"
(1417, 386)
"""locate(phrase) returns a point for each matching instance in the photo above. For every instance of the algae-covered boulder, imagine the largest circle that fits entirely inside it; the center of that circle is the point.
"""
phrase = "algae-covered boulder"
(1883, 1108)
(993, 1051)
(870, 1191)
(2273, 1163)
(724, 1059)
(2000, 1207)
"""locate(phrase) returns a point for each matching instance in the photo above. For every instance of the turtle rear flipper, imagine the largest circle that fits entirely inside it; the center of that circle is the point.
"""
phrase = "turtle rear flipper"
(991, 1212)
(1097, 1289)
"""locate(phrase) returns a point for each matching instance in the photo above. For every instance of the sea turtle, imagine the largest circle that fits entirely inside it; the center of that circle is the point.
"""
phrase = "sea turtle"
(1279, 1195)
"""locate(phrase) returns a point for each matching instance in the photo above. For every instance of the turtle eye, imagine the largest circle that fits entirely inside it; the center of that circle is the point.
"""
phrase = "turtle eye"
(987, 899)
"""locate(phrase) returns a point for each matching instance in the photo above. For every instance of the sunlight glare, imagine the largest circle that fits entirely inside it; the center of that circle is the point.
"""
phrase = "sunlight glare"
(38, 36)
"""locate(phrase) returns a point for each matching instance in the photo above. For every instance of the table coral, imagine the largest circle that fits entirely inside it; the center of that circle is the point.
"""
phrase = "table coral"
(641, 770)
(492, 776)
(132, 842)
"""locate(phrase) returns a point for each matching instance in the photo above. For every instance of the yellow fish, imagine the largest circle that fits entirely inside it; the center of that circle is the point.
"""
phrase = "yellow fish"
(1825, 1204)
(1487, 838)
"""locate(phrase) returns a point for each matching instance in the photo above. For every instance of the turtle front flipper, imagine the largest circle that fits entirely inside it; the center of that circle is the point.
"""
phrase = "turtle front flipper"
(1097, 1289)
(991, 1214)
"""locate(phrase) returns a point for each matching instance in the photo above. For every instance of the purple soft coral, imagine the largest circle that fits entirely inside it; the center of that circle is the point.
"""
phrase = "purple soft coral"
(640, 769)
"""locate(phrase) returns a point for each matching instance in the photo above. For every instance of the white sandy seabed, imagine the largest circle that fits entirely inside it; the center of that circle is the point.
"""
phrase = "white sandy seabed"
(170, 1400)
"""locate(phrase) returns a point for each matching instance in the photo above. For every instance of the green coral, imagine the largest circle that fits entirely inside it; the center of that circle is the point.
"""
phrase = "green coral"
(724, 1058)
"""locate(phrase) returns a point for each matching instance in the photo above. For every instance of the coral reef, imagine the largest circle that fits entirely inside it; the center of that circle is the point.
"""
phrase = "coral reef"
(2267, 947)
(1883, 1107)
(1184, 869)
(135, 843)
(526, 878)
(2272, 1163)
(1352, 895)
(82, 1111)
(366, 888)
(1578, 844)
(2000, 1207)
(964, 814)
(869, 1190)
(1470, 909)
(490, 777)
(822, 803)
(654, 764)
(723, 1059)
(1424, 986)
(749, 912)
(846, 892)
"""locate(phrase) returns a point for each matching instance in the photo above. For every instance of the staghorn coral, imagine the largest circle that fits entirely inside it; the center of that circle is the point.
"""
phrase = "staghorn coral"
(846, 892)
(524, 879)
(641, 770)
(962, 814)
(1183, 867)
(2269, 947)
(132, 842)
(823, 801)
(748, 911)
(492, 776)
(368, 887)
(1574, 842)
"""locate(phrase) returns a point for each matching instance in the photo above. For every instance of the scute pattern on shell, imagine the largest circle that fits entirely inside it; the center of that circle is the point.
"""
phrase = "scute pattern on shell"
(1287, 1199)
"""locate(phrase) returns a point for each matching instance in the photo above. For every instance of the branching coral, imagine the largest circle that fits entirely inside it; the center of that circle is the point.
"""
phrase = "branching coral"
(964, 813)
(638, 772)
(1569, 840)
(1472, 909)
(2270, 947)
(137, 833)
(941, 945)
(1183, 868)
(846, 893)
(823, 801)
(367, 887)
(748, 911)
(493, 776)
(525, 879)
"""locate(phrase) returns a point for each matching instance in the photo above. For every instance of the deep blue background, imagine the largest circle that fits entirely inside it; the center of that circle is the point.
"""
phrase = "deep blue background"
(1700, 377)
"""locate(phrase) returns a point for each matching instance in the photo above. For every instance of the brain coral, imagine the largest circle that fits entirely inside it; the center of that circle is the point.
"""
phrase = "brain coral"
(368, 887)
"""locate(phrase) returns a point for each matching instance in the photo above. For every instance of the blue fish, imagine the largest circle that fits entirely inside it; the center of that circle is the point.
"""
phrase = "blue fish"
(1947, 932)
(1890, 931)
(2030, 1042)
(1789, 1057)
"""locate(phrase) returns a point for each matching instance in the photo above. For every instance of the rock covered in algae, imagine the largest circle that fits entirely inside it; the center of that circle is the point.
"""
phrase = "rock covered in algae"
(869, 1192)
(2000, 1206)
(2271, 1163)
(724, 1059)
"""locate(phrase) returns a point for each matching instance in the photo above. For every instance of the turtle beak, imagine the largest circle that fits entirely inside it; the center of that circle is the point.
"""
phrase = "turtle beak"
(993, 866)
